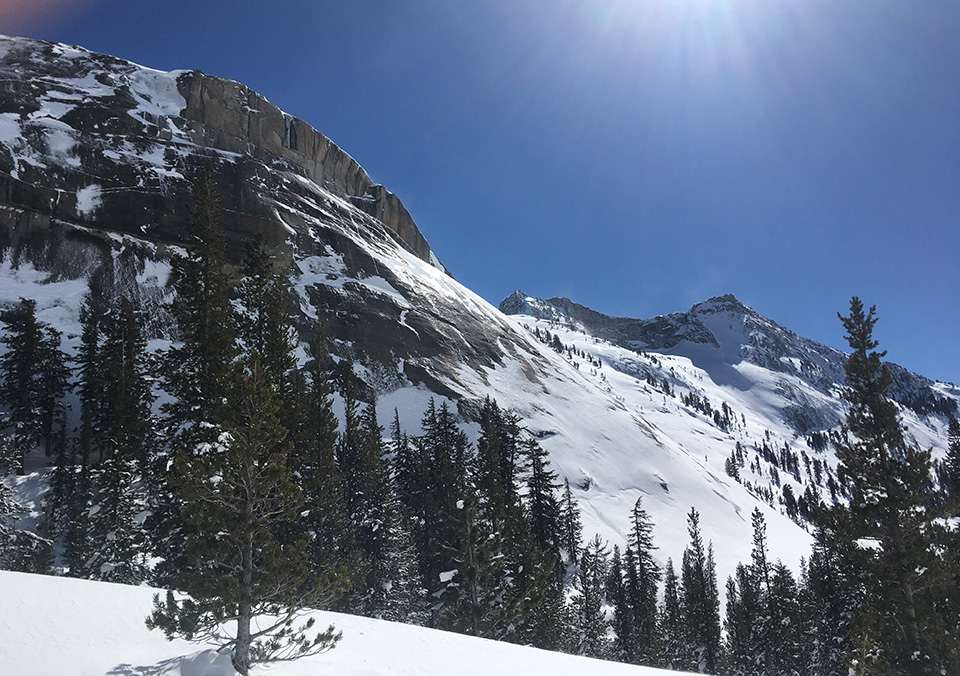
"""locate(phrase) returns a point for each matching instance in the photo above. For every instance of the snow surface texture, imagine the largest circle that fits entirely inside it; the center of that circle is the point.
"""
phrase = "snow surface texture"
(52, 626)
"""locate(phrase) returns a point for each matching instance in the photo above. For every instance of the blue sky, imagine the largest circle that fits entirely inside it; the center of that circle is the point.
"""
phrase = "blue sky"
(636, 156)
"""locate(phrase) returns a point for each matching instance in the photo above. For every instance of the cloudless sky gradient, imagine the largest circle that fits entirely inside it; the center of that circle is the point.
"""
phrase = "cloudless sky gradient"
(636, 156)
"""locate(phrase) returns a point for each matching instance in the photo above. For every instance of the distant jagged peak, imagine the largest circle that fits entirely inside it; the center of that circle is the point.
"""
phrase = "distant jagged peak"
(515, 303)
(552, 309)
(722, 323)
(725, 303)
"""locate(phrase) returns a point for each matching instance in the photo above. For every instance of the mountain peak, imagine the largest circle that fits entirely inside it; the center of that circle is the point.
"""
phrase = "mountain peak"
(95, 125)
(725, 303)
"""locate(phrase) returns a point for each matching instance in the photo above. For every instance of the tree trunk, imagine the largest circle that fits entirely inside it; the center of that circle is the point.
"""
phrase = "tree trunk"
(241, 655)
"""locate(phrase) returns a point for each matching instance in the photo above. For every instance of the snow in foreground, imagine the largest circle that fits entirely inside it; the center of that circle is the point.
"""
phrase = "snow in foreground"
(54, 626)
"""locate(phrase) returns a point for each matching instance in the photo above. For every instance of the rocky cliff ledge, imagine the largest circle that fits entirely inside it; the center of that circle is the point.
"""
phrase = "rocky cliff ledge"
(93, 140)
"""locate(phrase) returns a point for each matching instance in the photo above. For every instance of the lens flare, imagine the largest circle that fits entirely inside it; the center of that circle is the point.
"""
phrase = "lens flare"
(19, 16)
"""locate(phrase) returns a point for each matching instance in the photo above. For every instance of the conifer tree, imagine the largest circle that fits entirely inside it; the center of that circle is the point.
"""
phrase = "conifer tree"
(408, 468)
(544, 506)
(389, 585)
(55, 376)
(671, 644)
(901, 624)
(951, 463)
(546, 626)
(235, 490)
(496, 464)
(571, 530)
(474, 596)
(699, 602)
(198, 372)
(126, 439)
(92, 381)
(783, 651)
(33, 379)
(332, 549)
(549, 626)
(502, 571)
(624, 644)
(643, 576)
(74, 528)
(116, 540)
(741, 614)
(445, 452)
(589, 620)
(762, 622)
(831, 592)
(264, 328)
(20, 550)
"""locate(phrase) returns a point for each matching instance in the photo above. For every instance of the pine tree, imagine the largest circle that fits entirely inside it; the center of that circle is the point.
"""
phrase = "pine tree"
(388, 585)
(623, 648)
(235, 490)
(831, 593)
(546, 626)
(783, 653)
(672, 644)
(589, 620)
(409, 470)
(116, 540)
(763, 617)
(496, 464)
(951, 463)
(264, 328)
(126, 439)
(502, 571)
(901, 624)
(741, 614)
(571, 530)
(699, 602)
(20, 550)
(643, 576)
(33, 379)
(544, 507)
(92, 382)
(332, 549)
(197, 373)
(549, 626)
(473, 592)
(74, 528)
(445, 454)
(54, 377)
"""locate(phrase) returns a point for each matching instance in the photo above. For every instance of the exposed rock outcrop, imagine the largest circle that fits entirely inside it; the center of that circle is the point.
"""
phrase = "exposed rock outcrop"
(94, 140)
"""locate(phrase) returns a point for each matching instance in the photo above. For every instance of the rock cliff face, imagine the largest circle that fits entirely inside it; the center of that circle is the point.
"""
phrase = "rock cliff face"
(97, 158)
(93, 140)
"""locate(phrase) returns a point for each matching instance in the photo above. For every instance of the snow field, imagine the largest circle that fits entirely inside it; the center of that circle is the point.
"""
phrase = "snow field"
(54, 626)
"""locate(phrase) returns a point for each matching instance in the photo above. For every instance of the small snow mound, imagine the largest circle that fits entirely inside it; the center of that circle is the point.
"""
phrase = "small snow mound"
(206, 663)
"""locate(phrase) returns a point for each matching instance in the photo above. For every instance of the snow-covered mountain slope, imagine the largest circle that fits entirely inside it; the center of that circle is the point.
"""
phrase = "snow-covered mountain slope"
(722, 334)
(96, 159)
(55, 626)
(715, 387)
